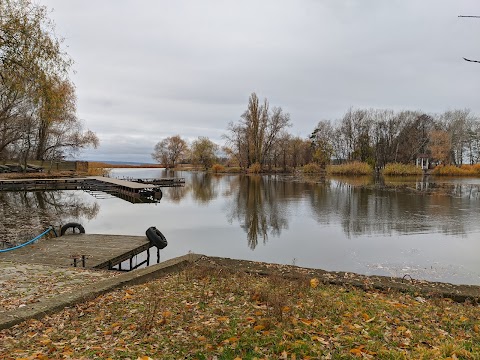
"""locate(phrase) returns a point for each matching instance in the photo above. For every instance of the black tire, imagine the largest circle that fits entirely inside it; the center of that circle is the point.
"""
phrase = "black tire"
(74, 226)
(156, 237)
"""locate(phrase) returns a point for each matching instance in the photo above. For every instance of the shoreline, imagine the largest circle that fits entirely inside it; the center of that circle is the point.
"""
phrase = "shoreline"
(106, 282)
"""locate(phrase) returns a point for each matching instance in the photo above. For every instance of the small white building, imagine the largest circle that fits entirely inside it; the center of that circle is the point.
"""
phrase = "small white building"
(423, 161)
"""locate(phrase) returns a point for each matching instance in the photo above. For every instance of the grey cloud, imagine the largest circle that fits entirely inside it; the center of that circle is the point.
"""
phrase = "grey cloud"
(149, 69)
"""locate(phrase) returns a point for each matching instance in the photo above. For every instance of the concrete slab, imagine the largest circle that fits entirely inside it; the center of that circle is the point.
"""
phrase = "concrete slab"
(89, 291)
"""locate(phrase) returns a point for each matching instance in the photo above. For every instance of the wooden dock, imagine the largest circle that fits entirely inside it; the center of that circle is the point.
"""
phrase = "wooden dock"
(128, 190)
(99, 251)
(166, 182)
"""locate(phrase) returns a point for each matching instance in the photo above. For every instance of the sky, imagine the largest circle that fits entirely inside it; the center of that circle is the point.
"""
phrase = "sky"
(148, 69)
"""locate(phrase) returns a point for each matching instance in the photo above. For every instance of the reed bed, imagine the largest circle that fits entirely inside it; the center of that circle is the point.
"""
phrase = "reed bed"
(452, 170)
(398, 169)
(355, 168)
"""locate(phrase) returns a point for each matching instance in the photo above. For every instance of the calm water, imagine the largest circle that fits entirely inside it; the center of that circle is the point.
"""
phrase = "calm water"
(429, 230)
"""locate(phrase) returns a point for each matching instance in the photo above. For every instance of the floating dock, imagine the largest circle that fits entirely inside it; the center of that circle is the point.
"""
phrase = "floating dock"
(166, 182)
(127, 190)
(83, 250)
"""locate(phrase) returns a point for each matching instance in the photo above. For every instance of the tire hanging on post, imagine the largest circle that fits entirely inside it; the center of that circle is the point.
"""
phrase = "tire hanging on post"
(156, 237)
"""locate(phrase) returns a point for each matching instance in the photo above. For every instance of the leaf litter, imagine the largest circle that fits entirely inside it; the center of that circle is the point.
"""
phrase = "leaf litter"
(206, 312)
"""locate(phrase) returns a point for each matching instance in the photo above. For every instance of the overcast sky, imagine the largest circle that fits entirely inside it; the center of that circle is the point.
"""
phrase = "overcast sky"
(146, 70)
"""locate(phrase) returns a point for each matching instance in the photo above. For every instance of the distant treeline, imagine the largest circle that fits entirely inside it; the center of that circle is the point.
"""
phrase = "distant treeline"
(260, 140)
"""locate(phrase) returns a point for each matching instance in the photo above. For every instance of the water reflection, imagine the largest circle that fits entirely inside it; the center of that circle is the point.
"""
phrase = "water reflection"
(204, 187)
(388, 211)
(358, 225)
(24, 214)
(262, 204)
(259, 205)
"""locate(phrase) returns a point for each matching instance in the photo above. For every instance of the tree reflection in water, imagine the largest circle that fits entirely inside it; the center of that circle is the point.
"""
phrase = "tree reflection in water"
(23, 215)
(204, 187)
(400, 209)
(258, 203)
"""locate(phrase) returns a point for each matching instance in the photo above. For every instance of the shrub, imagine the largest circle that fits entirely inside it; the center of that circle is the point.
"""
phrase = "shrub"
(98, 171)
(353, 168)
(255, 168)
(311, 168)
(452, 170)
(398, 169)
(216, 168)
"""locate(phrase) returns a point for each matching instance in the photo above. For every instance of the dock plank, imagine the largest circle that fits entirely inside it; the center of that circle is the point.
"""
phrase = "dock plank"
(124, 183)
(101, 250)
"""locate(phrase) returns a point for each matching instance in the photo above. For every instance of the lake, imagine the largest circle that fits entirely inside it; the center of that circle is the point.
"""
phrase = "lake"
(428, 229)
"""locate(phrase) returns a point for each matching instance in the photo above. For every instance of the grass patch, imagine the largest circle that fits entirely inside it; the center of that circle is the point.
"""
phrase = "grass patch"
(311, 168)
(207, 313)
(97, 169)
(218, 168)
(452, 170)
(355, 168)
(255, 168)
(398, 169)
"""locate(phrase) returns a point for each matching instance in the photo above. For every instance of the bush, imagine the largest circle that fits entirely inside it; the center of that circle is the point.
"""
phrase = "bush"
(355, 168)
(218, 168)
(311, 168)
(452, 170)
(255, 168)
(98, 171)
(398, 169)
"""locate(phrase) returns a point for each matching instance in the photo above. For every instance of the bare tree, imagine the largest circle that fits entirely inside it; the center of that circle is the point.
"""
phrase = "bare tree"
(203, 152)
(322, 142)
(170, 150)
(253, 138)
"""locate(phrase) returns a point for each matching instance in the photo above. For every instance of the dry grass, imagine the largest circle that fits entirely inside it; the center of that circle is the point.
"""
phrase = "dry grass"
(355, 168)
(255, 169)
(398, 169)
(452, 170)
(206, 313)
(218, 168)
(311, 168)
(95, 164)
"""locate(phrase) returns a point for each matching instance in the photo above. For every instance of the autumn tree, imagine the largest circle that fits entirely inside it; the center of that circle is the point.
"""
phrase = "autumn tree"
(37, 100)
(203, 152)
(439, 146)
(170, 150)
(459, 125)
(322, 139)
(253, 138)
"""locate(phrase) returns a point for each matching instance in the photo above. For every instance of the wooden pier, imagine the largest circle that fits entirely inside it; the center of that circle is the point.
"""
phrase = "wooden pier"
(81, 250)
(129, 190)
(166, 182)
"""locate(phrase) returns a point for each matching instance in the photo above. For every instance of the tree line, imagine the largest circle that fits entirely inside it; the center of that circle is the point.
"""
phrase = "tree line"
(260, 139)
(37, 99)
